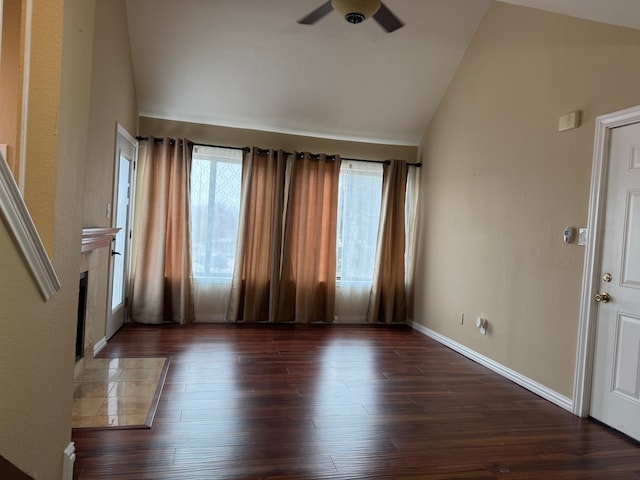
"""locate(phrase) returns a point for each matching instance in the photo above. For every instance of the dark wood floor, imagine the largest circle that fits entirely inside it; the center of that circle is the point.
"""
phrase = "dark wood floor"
(340, 402)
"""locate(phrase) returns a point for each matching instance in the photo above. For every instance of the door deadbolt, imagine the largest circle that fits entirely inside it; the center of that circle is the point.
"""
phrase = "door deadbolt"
(607, 277)
(602, 297)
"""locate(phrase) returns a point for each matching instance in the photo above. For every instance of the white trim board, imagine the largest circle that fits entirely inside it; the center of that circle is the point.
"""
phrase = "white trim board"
(25, 235)
(130, 138)
(100, 344)
(525, 382)
(68, 459)
(591, 273)
(26, 80)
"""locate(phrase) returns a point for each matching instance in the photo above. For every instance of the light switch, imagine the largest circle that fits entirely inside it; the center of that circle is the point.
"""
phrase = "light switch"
(582, 236)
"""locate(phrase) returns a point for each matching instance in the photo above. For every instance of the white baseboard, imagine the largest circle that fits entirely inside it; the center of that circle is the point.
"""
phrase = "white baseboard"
(68, 459)
(531, 385)
(100, 344)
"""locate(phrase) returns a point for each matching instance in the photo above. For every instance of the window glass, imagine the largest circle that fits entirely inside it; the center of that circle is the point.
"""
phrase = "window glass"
(359, 200)
(216, 177)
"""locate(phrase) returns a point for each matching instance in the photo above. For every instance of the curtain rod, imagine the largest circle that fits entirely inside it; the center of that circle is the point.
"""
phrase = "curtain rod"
(263, 150)
(161, 139)
(383, 162)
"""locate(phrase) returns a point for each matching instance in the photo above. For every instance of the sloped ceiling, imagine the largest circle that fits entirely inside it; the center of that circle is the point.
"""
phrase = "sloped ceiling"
(623, 13)
(248, 64)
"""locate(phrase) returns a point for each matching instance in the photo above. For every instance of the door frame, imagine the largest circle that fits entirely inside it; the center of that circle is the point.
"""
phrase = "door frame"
(120, 130)
(592, 261)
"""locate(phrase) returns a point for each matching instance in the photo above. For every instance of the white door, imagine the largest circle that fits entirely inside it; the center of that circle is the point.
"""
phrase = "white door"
(615, 394)
(125, 156)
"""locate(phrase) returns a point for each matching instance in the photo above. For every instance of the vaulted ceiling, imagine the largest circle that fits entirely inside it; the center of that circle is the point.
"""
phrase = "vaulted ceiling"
(249, 64)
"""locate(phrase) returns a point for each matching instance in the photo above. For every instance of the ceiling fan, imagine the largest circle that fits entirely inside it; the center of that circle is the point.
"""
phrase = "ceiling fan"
(356, 11)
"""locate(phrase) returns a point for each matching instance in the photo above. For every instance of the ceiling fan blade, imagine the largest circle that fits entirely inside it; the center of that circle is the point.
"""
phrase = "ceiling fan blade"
(317, 14)
(387, 19)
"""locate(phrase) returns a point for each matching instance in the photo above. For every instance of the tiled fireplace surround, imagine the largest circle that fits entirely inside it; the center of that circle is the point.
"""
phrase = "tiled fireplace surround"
(96, 243)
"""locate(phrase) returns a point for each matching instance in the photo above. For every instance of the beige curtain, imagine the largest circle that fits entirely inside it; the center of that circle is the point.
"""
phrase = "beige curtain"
(387, 302)
(257, 265)
(162, 275)
(308, 281)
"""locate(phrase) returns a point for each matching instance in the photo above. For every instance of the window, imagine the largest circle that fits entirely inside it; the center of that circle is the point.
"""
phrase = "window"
(359, 200)
(216, 177)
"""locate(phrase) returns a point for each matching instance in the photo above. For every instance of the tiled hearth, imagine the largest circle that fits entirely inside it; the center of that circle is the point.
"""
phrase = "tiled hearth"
(118, 392)
(108, 392)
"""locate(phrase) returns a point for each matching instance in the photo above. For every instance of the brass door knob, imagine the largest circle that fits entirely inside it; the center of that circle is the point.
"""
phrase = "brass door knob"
(602, 297)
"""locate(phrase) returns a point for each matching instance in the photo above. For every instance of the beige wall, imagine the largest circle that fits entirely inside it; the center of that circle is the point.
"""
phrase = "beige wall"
(10, 79)
(237, 137)
(113, 100)
(500, 183)
(46, 45)
(37, 341)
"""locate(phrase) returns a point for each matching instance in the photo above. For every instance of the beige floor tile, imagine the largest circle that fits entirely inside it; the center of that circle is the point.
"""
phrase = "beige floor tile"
(142, 363)
(125, 406)
(102, 363)
(85, 407)
(116, 391)
(83, 422)
(91, 389)
(121, 420)
(133, 389)
(139, 375)
(100, 375)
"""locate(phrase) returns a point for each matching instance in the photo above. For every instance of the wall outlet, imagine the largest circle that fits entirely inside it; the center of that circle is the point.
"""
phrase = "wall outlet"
(461, 318)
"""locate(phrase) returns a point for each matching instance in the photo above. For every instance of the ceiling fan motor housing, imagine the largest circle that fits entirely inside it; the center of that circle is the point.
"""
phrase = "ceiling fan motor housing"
(354, 17)
(356, 11)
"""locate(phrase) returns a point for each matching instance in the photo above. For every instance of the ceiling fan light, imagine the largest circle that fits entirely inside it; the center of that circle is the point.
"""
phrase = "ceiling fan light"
(356, 11)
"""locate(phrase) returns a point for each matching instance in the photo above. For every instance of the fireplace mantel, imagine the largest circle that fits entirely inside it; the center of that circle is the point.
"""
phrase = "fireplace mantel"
(97, 237)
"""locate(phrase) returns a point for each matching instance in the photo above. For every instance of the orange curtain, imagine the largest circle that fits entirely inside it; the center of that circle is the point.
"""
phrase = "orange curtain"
(387, 302)
(257, 267)
(162, 273)
(307, 286)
